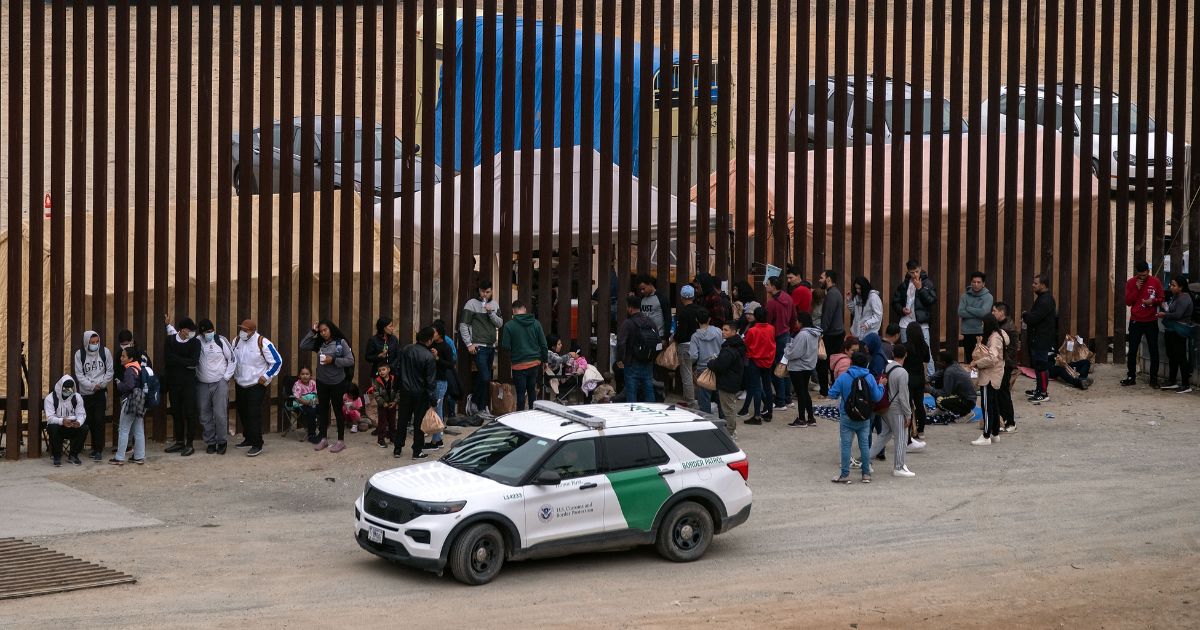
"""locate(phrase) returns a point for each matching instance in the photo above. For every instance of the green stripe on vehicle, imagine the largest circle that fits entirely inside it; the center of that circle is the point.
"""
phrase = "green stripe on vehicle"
(641, 493)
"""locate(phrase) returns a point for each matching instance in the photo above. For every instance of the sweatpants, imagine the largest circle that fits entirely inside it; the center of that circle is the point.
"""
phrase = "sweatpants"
(213, 399)
(991, 411)
(893, 427)
(1004, 403)
(917, 396)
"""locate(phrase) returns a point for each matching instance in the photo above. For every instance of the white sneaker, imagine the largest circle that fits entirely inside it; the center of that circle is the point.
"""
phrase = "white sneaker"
(916, 445)
(903, 472)
(854, 463)
(1186, 390)
(982, 441)
(741, 395)
(995, 439)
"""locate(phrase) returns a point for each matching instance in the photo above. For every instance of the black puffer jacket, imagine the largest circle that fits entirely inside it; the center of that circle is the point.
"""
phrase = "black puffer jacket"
(923, 301)
(417, 371)
(728, 365)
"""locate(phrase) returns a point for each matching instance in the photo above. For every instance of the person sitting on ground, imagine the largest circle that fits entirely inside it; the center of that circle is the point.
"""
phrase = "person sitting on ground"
(956, 394)
(1073, 363)
(352, 404)
(304, 390)
(66, 419)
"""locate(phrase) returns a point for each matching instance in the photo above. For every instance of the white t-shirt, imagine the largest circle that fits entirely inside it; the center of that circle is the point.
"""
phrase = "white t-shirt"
(908, 303)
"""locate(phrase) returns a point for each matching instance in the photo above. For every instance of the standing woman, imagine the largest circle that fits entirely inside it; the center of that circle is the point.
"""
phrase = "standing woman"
(988, 359)
(917, 355)
(133, 408)
(333, 357)
(383, 347)
(866, 308)
(1176, 319)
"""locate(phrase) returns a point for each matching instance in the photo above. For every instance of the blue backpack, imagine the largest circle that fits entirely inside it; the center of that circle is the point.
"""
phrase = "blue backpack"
(151, 387)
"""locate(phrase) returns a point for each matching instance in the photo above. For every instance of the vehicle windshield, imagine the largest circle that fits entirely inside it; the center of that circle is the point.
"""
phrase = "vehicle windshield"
(498, 452)
(358, 145)
(927, 115)
(1098, 108)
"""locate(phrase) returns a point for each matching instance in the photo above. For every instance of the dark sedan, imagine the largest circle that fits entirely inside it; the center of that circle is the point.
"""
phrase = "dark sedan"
(332, 158)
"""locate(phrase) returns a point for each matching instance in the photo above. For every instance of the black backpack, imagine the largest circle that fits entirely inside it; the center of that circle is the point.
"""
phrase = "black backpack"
(858, 402)
(645, 343)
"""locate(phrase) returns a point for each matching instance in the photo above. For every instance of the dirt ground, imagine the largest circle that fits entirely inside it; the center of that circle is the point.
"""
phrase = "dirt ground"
(1083, 520)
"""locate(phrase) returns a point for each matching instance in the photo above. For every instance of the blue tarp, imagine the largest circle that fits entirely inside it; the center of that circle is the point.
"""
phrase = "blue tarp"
(501, 83)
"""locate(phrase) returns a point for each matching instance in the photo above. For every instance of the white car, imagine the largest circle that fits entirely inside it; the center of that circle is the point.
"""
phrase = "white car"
(556, 480)
(1094, 104)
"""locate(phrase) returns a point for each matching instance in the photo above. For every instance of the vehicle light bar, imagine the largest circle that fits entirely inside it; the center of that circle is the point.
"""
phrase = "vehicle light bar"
(574, 415)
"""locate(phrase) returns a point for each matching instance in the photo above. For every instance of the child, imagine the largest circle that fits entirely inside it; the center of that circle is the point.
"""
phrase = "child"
(305, 393)
(352, 403)
(383, 388)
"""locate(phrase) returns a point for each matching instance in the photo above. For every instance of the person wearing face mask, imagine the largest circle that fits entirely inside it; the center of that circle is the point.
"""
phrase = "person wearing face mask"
(66, 419)
(216, 367)
(257, 363)
(182, 355)
(93, 373)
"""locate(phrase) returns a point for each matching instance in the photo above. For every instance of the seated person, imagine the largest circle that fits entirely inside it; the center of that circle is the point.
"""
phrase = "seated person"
(65, 420)
(953, 391)
(1074, 373)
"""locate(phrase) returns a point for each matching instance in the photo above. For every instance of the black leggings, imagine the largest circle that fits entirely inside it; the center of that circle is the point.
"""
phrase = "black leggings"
(330, 396)
(917, 395)
(803, 396)
(989, 403)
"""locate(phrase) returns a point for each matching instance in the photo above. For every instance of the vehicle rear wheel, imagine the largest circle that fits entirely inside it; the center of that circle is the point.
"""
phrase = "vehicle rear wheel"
(477, 554)
(685, 533)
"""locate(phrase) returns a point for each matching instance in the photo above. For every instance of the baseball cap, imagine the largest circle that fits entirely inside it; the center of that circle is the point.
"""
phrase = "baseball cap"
(687, 292)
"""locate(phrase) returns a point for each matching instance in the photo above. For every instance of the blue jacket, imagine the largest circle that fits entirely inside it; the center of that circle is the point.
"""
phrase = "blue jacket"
(878, 359)
(841, 387)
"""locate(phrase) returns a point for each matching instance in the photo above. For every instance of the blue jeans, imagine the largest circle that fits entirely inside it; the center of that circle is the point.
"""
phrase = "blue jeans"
(483, 360)
(131, 425)
(848, 429)
(754, 390)
(783, 392)
(439, 391)
(639, 383)
(525, 382)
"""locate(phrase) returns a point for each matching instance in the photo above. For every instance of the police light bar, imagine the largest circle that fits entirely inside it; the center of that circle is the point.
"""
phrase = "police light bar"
(574, 415)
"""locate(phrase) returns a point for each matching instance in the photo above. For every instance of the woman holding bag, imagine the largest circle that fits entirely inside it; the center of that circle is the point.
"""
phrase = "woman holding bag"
(1175, 319)
(988, 360)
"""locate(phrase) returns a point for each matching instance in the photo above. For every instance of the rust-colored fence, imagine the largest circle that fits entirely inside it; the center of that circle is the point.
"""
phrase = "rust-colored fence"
(704, 101)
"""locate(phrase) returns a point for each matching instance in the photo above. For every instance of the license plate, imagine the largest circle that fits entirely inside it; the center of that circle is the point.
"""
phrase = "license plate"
(374, 534)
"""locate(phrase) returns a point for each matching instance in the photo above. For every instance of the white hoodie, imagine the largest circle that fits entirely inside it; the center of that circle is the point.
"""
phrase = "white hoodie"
(217, 360)
(255, 357)
(59, 408)
(93, 369)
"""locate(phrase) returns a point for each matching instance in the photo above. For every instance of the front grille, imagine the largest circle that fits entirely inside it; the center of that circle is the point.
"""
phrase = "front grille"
(388, 507)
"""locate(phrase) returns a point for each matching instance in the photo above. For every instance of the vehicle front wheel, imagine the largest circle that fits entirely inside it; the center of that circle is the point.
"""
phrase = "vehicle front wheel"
(685, 533)
(477, 554)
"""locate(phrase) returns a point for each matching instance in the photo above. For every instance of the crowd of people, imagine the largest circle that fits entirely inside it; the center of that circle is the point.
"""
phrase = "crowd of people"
(734, 356)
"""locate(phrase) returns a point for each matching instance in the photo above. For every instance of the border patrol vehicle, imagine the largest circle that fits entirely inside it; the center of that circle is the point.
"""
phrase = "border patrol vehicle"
(556, 480)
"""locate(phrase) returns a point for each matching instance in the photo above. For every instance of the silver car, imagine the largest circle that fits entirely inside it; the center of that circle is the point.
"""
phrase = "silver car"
(332, 157)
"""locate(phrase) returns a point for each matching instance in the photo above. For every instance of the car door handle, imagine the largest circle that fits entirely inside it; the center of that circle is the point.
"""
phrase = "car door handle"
(666, 471)
(587, 486)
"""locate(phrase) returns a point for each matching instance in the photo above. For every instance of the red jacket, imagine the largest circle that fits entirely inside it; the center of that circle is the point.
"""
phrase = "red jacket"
(1152, 290)
(781, 313)
(760, 344)
(802, 299)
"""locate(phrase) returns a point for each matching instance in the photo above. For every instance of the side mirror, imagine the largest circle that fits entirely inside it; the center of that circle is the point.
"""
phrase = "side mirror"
(547, 478)
(416, 149)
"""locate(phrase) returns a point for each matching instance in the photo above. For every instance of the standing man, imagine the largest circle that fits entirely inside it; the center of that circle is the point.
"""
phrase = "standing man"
(833, 326)
(781, 312)
(417, 382)
(635, 353)
(653, 305)
(913, 300)
(1143, 294)
(800, 290)
(182, 355)
(93, 373)
(525, 341)
(1041, 320)
(257, 363)
(728, 367)
(686, 325)
(477, 327)
(217, 366)
(973, 305)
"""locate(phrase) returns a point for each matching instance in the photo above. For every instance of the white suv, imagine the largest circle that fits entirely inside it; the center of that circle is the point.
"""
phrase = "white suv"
(1094, 104)
(557, 480)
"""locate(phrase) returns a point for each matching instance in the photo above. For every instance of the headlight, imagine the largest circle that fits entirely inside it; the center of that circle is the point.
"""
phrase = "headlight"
(432, 507)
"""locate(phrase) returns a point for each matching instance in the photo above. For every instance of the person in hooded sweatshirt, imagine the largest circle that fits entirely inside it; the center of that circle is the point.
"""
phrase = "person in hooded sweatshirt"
(841, 389)
(182, 356)
(258, 362)
(704, 345)
(801, 359)
(333, 357)
(93, 373)
(525, 340)
(728, 367)
(876, 366)
(217, 365)
(973, 305)
(66, 419)
(898, 415)
(760, 350)
(866, 308)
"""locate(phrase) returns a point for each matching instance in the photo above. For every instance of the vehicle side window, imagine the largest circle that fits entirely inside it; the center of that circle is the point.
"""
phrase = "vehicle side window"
(706, 443)
(626, 452)
(275, 136)
(812, 99)
(296, 142)
(573, 459)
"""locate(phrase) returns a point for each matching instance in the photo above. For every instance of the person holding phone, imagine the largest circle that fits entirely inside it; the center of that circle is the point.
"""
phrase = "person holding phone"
(913, 301)
(477, 327)
(66, 418)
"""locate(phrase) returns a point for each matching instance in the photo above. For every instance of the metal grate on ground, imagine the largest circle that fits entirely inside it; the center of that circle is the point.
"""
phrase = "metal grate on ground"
(27, 570)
